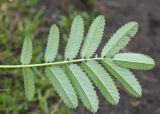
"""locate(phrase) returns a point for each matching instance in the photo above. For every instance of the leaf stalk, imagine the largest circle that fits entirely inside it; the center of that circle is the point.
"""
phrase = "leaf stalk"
(49, 64)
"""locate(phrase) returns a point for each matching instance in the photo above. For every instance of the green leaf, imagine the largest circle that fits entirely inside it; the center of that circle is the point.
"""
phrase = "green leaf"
(94, 37)
(52, 45)
(125, 77)
(120, 39)
(75, 38)
(134, 61)
(29, 83)
(102, 80)
(26, 53)
(83, 87)
(59, 80)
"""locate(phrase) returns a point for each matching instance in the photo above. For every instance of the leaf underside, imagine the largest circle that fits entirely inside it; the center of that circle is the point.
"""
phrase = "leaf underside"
(134, 61)
(59, 80)
(125, 77)
(29, 83)
(83, 87)
(75, 38)
(93, 38)
(26, 53)
(102, 80)
(52, 45)
(120, 39)
(71, 80)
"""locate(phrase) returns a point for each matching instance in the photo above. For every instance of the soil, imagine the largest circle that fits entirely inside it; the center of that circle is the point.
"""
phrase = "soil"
(119, 12)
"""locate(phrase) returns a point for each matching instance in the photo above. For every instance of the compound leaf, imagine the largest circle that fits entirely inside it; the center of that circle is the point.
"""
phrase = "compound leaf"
(94, 37)
(26, 54)
(52, 45)
(75, 38)
(29, 83)
(134, 61)
(59, 80)
(125, 77)
(120, 39)
(83, 87)
(114, 64)
(102, 80)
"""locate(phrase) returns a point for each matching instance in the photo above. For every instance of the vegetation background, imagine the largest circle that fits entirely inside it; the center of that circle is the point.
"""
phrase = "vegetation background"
(19, 18)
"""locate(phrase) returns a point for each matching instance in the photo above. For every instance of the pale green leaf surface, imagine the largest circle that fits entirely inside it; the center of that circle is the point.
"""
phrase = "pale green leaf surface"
(83, 87)
(102, 80)
(59, 80)
(93, 38)
(134, 61)
(26, 54)
(52, 45)
(120, 39)
(75, 38)
(125, 77)
(29, 83)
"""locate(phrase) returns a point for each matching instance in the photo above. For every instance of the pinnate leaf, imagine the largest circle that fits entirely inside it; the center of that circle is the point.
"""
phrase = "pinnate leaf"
(134, 61)
(125, 77)
(52, 45)
(83, 87)
(29, 83)
(120, 39)
(94, 37)
(102, 80)
(59, 80)
(75, 38)
(26, 53)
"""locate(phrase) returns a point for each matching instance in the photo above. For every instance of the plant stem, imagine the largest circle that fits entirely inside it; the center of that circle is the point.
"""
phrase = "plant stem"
(49, 64)
(55, 108)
